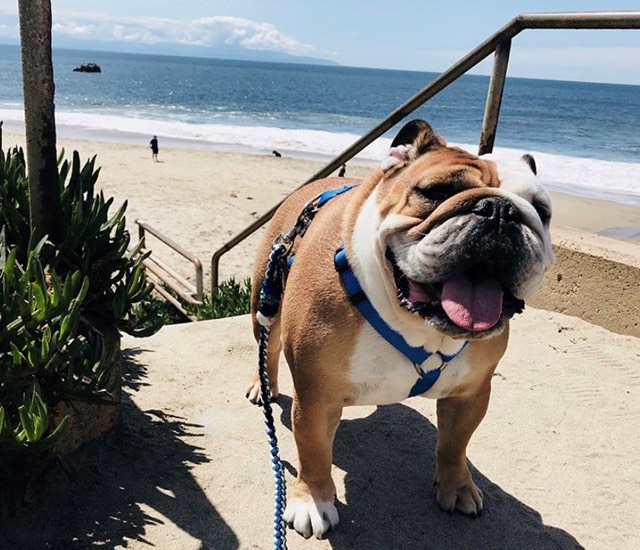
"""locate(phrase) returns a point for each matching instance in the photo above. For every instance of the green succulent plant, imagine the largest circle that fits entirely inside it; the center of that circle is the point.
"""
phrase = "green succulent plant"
(54, 316)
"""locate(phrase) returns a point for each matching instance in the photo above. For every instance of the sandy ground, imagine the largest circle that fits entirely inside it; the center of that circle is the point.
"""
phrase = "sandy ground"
(201, 198)
(556, 456)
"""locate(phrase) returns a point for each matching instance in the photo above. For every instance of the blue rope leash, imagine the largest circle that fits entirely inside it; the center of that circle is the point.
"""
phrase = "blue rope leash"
(268, 305)
(270, 295)
(280, 490)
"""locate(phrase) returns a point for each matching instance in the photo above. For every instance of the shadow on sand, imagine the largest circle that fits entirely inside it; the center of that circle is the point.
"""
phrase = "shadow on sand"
(136, 477)
(389, 460)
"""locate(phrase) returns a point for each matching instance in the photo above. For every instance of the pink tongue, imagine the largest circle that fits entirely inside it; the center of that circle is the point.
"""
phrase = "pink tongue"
(472, 305)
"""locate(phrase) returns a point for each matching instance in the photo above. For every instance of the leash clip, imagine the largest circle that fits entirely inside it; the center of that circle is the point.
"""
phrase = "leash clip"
(284, 240)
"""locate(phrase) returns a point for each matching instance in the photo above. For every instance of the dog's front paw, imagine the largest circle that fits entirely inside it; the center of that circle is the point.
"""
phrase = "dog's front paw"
(457, 491)
(467, 499)
(308, 517)
(254, 394)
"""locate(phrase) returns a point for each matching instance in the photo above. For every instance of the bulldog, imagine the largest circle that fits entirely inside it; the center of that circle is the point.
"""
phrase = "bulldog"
(444, 247)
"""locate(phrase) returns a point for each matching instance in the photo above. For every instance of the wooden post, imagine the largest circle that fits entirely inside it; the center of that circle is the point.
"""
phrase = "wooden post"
(40, 129)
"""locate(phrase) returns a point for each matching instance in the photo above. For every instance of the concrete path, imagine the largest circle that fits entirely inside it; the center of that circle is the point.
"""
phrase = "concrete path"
(557, 455)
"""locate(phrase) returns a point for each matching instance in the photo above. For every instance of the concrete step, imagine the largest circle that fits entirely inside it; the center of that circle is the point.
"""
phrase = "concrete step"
(556, 456)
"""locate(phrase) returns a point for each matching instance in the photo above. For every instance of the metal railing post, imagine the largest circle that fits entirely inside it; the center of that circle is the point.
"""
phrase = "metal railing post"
(494, 97)
(143, 228)
(141, 232)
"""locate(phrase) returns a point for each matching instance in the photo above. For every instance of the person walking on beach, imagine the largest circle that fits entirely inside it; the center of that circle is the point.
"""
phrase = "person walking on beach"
(343, 171)
(154, 148)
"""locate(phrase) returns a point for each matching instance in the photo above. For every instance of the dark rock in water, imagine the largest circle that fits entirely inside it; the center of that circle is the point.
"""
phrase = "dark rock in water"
(88, 68)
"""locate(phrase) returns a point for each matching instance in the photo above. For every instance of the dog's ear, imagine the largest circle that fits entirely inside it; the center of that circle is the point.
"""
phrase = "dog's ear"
(414, 139)
(531, 162)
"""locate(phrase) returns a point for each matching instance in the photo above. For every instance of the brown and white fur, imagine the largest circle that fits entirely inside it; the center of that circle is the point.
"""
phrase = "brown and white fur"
(427, 214)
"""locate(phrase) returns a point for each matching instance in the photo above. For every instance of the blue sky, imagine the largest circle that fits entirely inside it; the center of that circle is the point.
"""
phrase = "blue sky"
(413, 34)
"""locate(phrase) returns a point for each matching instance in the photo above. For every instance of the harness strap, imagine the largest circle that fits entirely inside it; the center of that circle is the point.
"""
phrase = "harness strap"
(280, 258)
(417, 355)
(359, 299)
(328, 195)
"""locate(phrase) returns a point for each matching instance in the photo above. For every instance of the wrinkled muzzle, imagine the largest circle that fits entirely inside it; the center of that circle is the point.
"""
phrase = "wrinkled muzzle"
(472, 271)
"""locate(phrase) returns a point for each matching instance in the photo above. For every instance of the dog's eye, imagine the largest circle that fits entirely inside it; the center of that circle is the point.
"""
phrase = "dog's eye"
(543, 211)
(436, 193)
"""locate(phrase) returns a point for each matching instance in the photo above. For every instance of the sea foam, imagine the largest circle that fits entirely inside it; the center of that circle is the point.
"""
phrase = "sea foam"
(604, 179)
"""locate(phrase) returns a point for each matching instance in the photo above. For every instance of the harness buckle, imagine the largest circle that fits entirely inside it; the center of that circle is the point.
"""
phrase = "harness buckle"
(304, 221)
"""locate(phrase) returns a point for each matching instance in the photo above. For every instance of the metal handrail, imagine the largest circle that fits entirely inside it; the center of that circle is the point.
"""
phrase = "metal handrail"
(499, 42)
(143, 228)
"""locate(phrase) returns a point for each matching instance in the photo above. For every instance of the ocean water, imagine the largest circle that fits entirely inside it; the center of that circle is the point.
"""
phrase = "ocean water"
(585, 137)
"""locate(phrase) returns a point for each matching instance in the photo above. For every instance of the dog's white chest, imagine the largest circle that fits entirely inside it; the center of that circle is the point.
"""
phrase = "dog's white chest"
(383, 375)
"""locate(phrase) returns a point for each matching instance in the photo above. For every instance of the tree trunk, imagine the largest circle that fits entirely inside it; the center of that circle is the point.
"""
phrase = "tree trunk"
(40, 127)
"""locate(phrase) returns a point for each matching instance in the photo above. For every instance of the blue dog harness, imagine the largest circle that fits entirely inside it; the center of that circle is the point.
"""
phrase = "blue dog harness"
(417, 355)
(271, 294)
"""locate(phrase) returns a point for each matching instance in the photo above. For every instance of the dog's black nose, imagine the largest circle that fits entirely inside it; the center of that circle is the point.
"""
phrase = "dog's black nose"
(496, 208)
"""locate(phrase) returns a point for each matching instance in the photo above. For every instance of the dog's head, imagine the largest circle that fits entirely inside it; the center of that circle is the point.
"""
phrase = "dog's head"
(461, 241)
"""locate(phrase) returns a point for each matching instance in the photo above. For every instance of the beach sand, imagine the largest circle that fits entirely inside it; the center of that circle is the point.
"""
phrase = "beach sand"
(556, 455)
(201, 198)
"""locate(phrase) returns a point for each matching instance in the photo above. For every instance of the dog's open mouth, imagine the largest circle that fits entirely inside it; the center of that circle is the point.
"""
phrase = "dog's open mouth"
(475, 300)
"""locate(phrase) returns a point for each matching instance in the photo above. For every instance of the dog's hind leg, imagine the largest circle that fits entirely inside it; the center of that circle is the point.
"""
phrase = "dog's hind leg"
(274, 348)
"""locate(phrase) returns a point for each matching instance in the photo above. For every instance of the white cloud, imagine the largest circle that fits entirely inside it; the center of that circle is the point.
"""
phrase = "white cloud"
(205, 31)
